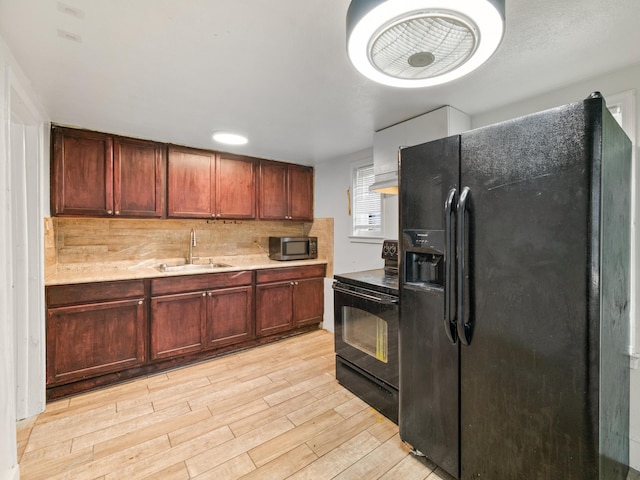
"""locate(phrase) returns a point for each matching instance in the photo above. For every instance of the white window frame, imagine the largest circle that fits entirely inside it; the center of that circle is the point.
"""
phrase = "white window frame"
(362, 236)
(623, 107)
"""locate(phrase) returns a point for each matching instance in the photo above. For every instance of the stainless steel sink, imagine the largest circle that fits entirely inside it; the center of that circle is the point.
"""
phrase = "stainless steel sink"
(190, 267)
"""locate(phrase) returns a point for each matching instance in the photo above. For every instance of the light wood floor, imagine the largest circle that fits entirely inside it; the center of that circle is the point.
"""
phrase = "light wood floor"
(273, 412)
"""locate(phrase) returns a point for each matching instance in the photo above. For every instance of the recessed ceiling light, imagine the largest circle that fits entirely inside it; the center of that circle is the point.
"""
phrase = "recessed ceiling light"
(229, 138)
(419, 43)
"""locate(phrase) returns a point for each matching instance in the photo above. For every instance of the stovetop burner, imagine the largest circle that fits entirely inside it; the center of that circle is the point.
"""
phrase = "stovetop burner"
(383, 280)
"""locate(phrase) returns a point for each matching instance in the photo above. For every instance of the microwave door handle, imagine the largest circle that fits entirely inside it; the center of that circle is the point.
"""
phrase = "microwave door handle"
(366, 296)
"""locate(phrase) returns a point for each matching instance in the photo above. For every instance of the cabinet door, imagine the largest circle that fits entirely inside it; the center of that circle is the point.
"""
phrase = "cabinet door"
(235, 187)
(191, 183)
(308, 301)
(273, 192)
(177, 324)
(273, 308)
(82, 173)
(138, 178)
(300, 193)
(88, 340)
(229, 315)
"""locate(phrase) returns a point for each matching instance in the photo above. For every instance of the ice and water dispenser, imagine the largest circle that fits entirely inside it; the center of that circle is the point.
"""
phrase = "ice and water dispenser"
(423, 261)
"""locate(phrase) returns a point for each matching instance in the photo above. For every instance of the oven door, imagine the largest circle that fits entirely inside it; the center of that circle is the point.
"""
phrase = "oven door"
(366, 330)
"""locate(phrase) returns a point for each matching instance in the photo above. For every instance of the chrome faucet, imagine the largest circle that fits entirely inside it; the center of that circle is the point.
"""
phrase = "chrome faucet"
(192, 243)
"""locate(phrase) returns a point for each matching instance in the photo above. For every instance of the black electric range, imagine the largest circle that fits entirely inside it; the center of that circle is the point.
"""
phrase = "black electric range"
(366, 333)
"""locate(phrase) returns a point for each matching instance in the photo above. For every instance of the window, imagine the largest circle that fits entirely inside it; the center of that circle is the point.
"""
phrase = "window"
(367, 206)
(623, 108)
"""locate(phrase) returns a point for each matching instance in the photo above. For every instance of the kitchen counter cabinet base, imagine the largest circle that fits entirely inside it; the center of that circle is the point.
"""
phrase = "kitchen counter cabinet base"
(65, 390)
(94, 334)
(289, 297)
(103, 333)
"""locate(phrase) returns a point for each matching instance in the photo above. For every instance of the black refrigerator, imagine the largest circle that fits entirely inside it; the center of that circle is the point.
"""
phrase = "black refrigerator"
(514, 297)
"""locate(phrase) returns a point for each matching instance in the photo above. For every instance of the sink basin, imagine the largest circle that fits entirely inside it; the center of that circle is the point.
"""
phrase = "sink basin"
(187, 267)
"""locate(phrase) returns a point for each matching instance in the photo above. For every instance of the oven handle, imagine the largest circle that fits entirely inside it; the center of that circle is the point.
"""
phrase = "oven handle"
(366, 296)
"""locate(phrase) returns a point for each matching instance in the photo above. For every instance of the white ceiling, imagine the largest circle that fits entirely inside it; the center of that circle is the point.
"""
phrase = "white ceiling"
(277, 70)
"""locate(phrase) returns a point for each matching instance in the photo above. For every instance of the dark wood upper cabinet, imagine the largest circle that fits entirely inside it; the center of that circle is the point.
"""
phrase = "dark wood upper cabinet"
(235, 187)
(274, 198)
(138, 178)
(101, 175)
(300, 193)
(95, 174)
(81, 173)
(190, 183)
(285, 191)
(206, 184)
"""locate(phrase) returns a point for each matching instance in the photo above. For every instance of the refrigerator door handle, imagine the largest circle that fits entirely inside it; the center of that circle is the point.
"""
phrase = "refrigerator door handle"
(465, 328)
(449, 271)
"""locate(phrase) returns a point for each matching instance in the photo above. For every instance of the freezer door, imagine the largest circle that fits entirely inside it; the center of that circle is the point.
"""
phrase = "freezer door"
(428, 412)
(529, 386)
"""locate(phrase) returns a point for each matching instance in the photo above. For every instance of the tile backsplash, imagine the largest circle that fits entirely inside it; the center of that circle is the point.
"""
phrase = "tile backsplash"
(97, 240)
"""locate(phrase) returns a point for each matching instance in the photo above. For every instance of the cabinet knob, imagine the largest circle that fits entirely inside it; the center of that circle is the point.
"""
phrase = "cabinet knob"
(210, 294)
(109, 212)
(117, 212)
(140, 302)
(204, 294)
(213, 215)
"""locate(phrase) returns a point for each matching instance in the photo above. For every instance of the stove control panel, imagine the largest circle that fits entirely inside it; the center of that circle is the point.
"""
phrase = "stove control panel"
(390, 251)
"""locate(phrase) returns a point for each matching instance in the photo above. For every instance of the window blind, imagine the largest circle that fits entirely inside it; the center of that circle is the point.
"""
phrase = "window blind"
(367, 206)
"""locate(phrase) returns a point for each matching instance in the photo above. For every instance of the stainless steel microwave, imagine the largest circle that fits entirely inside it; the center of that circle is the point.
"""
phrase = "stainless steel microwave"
(293, 248)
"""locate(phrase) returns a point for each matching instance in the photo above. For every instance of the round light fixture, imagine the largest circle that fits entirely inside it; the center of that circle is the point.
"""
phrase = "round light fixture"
(229, 138)
(419, 43)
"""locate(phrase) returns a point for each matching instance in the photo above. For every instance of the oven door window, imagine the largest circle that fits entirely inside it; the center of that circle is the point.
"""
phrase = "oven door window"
(366, 332)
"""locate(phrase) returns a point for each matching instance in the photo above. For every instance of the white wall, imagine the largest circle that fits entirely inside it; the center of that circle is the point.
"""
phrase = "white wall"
(332, 179)
(609, 85)
(23, 199)
(8, 460)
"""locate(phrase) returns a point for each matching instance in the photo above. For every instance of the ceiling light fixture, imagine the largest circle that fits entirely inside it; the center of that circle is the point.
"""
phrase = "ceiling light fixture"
(419, 43)
(229, 138)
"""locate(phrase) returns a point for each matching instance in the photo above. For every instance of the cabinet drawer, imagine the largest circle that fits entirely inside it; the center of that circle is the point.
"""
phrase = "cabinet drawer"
(192, 283)
(289, 273)
(59, 295)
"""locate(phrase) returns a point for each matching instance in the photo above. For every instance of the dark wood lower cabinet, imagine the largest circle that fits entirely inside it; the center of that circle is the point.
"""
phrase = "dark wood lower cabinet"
(274, 307)
(102, 333)
(308, 301)
(229, 316)
(96, 337)
(177, 323)
(289, 297)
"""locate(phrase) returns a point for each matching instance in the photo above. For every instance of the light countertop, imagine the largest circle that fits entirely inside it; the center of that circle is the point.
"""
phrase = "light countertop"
(131, 270)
